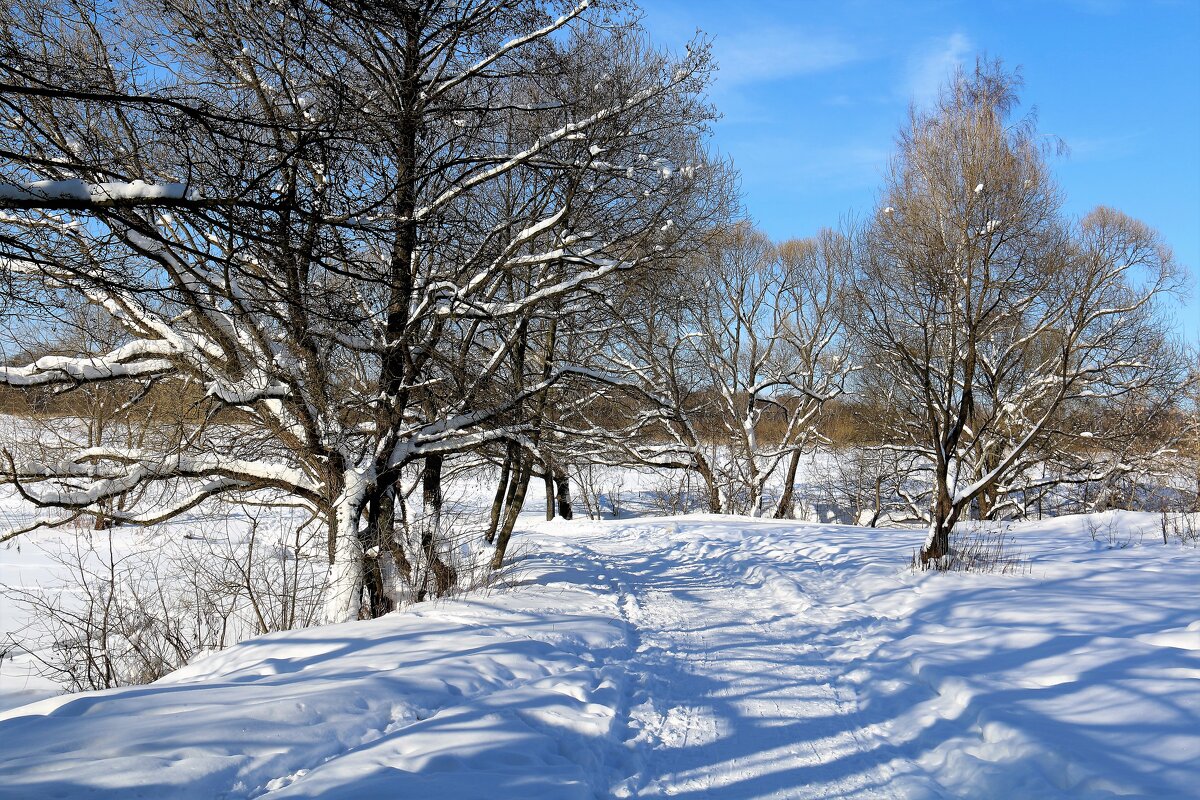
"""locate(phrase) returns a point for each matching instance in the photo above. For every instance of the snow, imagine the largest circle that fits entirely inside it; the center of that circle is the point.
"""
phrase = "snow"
(19, 566)
(695, 655)
(130, 360)
(76, 190)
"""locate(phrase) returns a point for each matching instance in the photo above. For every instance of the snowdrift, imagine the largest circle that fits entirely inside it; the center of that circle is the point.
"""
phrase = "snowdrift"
(687, 656)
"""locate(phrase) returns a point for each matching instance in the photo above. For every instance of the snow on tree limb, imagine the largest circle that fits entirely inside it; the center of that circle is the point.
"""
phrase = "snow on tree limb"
(134, 360)
(75, 194)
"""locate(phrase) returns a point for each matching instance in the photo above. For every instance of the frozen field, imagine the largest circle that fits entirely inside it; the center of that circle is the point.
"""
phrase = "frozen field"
(693, 657)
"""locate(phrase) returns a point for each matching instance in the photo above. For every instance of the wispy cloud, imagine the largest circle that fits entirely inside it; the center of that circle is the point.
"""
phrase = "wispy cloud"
(1100, 147)
(778, 162)
(773, 53)
(929, 68)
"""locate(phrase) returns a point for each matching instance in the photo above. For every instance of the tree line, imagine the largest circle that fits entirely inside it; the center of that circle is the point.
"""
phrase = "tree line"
(296, 251)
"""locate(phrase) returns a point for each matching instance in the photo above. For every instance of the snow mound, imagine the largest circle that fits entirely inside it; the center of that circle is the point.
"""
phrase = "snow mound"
(722, 657)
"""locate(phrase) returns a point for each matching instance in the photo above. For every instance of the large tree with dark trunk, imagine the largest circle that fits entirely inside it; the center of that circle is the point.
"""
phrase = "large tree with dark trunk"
(335, 228)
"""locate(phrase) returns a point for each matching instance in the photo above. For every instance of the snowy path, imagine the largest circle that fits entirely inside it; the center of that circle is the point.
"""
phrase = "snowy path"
(684, 657)
(733, 694)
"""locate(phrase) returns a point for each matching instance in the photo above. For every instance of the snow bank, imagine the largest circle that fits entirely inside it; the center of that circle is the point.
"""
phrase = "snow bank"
(457, 699)
(694, 656)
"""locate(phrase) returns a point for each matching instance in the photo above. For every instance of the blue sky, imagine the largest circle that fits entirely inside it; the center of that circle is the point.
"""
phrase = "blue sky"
(813, 94)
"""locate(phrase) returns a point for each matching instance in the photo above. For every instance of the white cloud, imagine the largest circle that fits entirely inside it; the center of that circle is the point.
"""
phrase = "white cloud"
(773, 53)
(930, 68)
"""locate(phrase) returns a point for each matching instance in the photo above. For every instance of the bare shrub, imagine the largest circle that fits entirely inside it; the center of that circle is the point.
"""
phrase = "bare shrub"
(123, 608)
(616, 486)
(110, 619)
(598, 486)
(435, 543)
(269, 579)
(870, 486)
(674, 494)
(587, 479)
(1182, 526)
(443, 554)
(1104, 531)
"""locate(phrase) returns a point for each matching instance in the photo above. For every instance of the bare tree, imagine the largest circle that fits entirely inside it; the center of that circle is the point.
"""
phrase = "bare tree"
(728, 361)
(985, 314)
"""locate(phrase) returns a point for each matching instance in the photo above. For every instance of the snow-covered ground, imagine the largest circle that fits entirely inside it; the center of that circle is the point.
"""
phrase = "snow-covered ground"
(686, 656)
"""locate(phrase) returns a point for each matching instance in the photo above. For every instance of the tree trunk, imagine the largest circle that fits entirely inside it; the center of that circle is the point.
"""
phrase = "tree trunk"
(373, 540)
(563, 494)
(511, 455)
(521, 465)
(937, 546)
(786, 508)
(548, 479)
(989, 498)
(517, 499)
(378, 602)
(710, 483)
(343, 591)
(431, 488)
(393, 378)
(878, 501)
(444, 575)
(387, 533)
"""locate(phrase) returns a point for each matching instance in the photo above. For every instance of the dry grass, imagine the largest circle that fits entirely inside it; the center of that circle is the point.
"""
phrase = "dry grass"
(981, 547)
